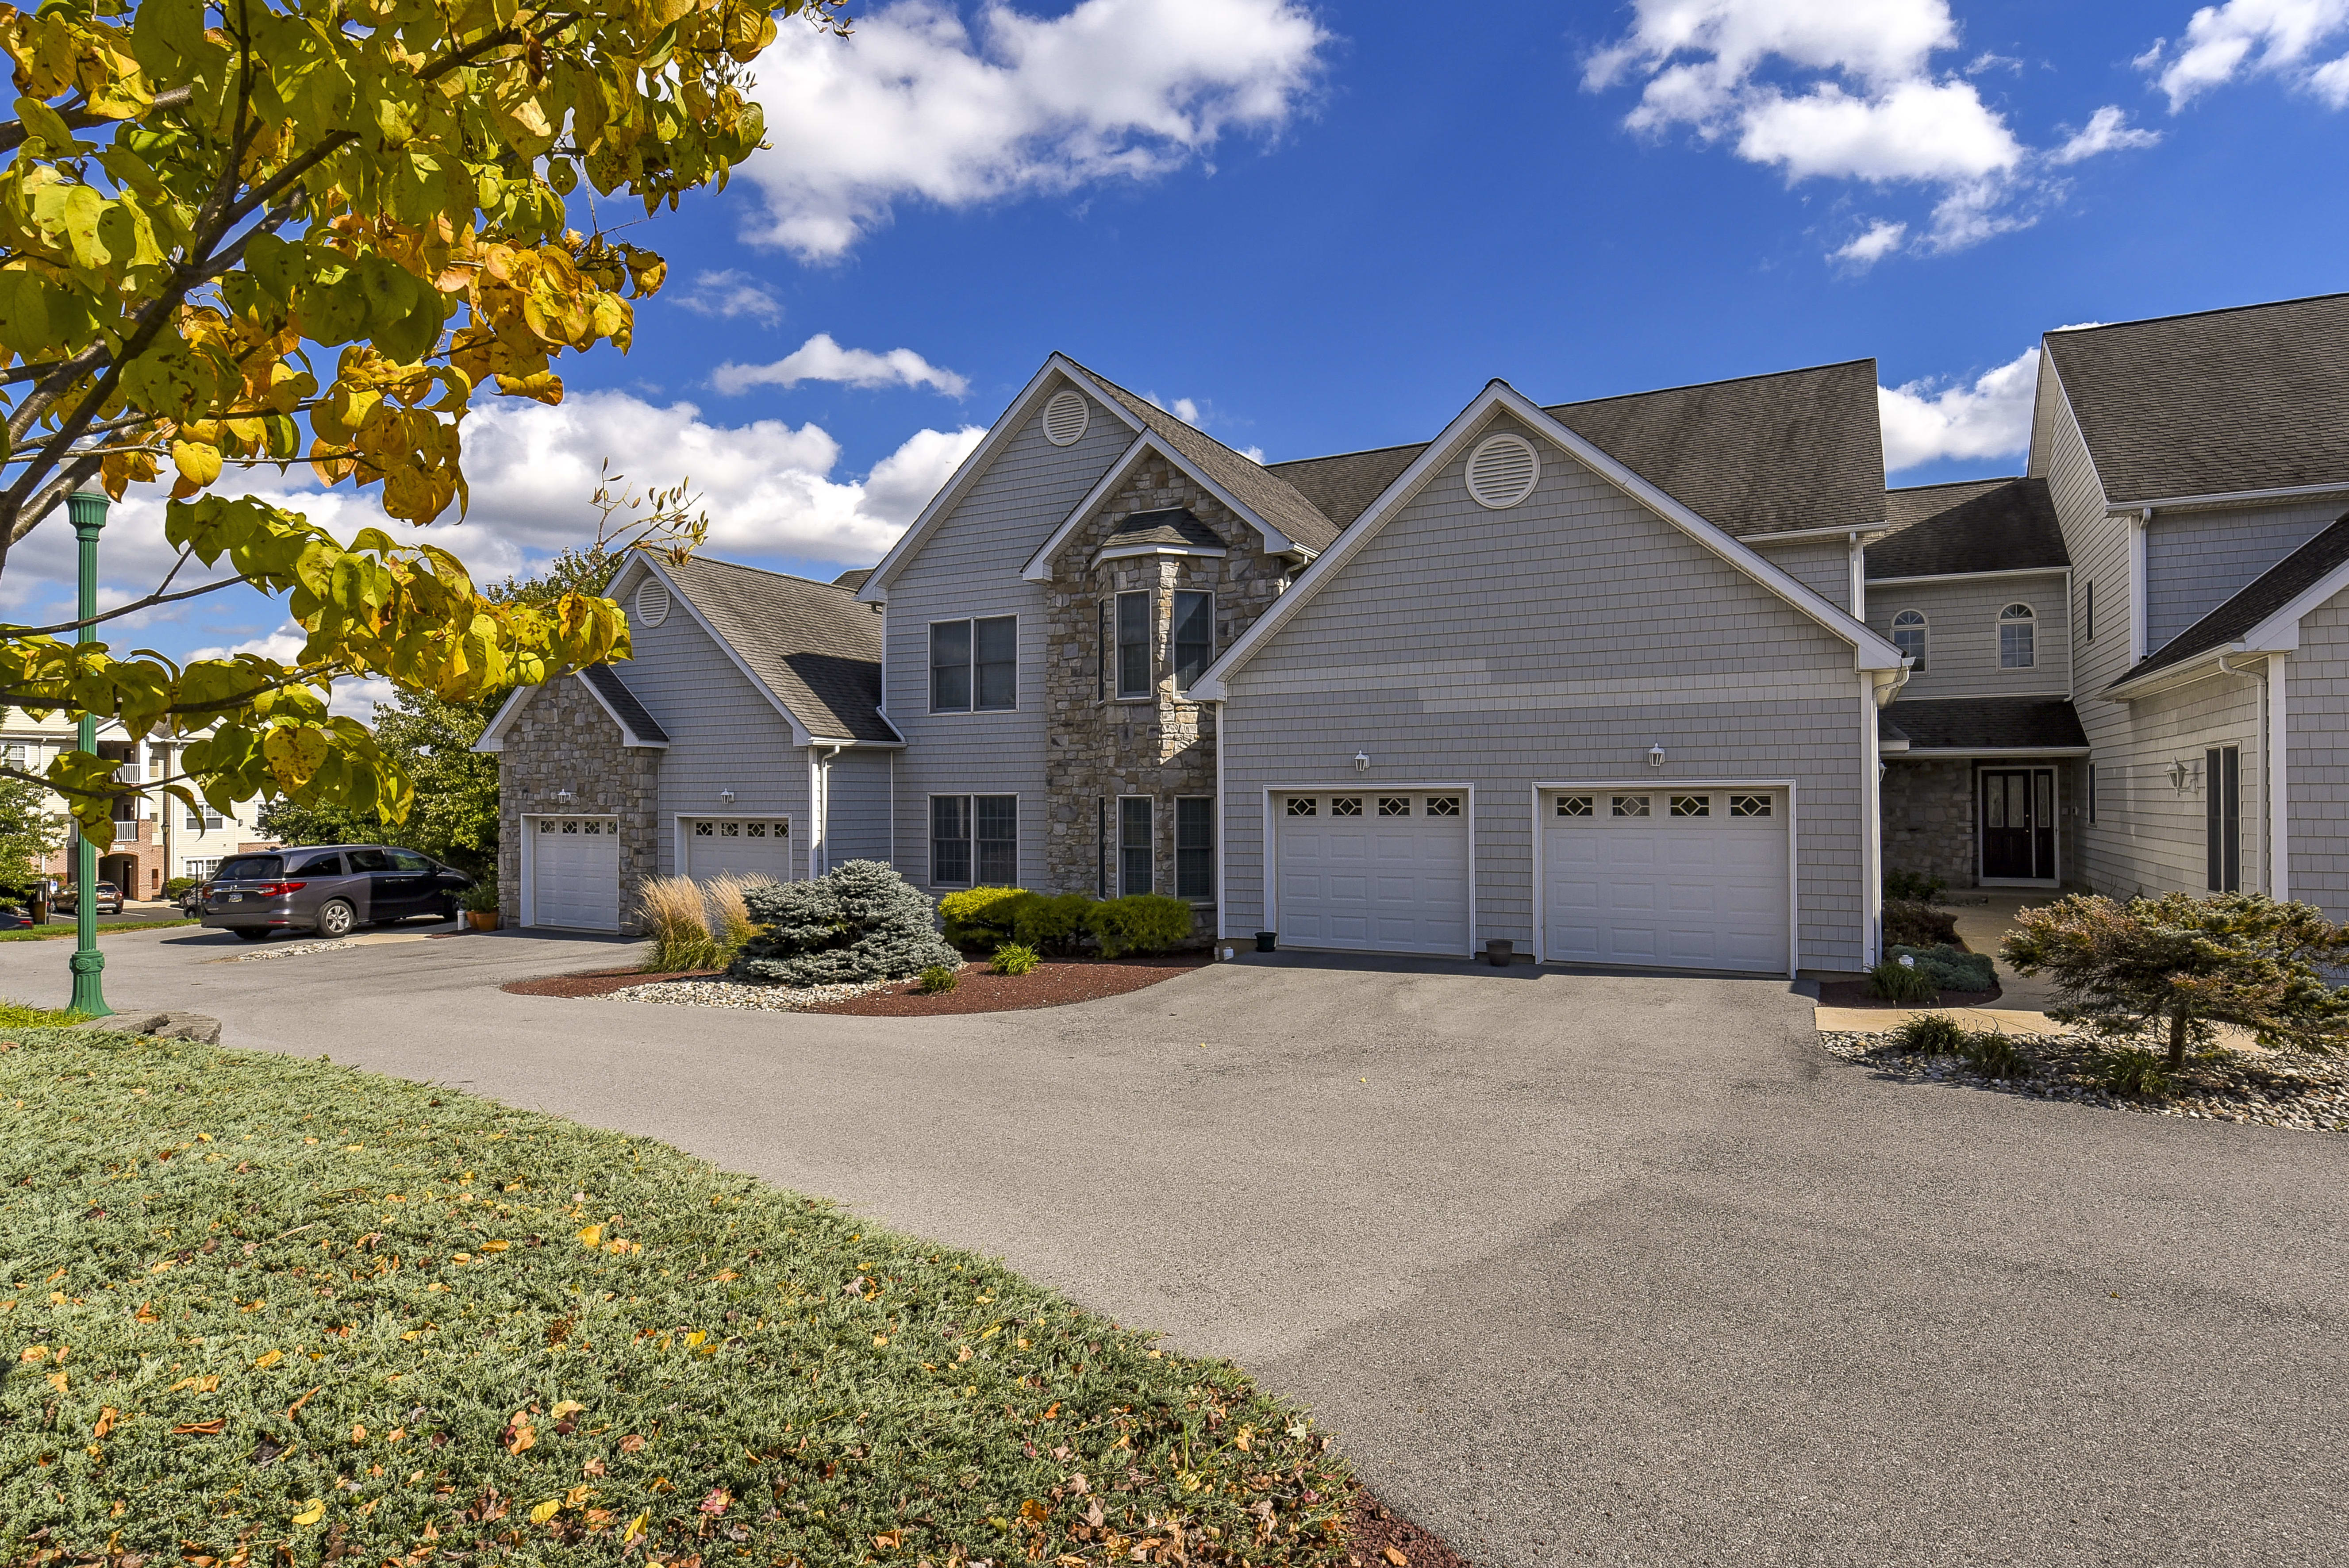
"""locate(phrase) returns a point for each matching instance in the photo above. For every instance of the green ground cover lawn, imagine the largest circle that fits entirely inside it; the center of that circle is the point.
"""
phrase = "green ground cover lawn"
(259, 1310)
(51, 933)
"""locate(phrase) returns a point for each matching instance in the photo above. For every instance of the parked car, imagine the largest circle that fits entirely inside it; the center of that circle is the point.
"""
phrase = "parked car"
(105, 895)
(193, 901)
(330, 889)
(14, 916)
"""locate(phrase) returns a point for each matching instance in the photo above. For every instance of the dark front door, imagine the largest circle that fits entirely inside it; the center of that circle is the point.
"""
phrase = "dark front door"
(2018, 823)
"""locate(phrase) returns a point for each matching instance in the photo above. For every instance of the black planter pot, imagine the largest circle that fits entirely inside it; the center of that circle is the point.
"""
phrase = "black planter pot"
(1267, 941)
(1500, 953)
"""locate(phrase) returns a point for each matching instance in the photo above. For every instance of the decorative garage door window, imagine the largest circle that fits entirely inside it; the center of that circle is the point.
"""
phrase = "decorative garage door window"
(755, 847)
(579, 827)
(1374, 872)
(709, 830)
(1688, 879)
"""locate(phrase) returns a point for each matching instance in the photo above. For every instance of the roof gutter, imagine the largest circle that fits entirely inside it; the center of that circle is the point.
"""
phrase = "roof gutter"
(1864, 532)
(2201, 666)
(2227, 497)
(1969, 576)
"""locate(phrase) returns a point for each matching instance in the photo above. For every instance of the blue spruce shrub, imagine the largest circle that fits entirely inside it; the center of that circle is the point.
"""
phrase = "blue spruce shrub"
(859, 921)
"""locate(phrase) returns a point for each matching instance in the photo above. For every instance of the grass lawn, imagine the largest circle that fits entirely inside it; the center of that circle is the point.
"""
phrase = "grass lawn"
(52, 933)
(260, 1310)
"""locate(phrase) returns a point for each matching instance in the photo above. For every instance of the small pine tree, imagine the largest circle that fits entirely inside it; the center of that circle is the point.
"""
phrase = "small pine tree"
(860, 922)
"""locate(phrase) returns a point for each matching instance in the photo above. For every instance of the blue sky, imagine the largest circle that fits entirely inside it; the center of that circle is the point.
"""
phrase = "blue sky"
(1326, 226)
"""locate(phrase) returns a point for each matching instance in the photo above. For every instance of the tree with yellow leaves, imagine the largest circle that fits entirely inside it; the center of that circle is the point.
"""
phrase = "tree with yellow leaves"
(236, 232)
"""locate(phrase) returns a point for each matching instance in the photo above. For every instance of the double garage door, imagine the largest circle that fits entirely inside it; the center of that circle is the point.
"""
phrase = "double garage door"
(1689, 879)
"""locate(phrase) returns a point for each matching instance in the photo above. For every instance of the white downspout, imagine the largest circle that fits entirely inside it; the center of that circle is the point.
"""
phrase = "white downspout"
(824, 821)
(2278, 782)
(2137, 607)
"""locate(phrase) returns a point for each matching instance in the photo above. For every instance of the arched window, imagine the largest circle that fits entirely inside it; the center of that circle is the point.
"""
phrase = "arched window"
(1908, 636)
(2017, 639)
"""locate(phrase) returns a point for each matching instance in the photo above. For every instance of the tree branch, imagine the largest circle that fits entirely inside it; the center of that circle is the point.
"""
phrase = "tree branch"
(12, 132)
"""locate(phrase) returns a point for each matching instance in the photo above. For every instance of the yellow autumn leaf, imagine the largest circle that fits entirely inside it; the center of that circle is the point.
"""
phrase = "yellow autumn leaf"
(577, 1496)
(316, 1511)
(592, 1236)
(57, 1381)
(34, 1353)
(546, 1511)
(272, 1360)
(696, 1338)
(359, 1434)
(879, 1340)
(635, 1529)
(566, 1408)
(495, 1246)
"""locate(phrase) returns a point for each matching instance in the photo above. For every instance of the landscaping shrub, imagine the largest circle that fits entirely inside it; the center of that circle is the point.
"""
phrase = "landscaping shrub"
(1140, 923)
(1913, 887)
(174, 886)
(937, 980)
(981, 918)
(390, 1322)
(734, 925)
(2189, 964)
(1054, 924)
(1931, 1035)
(1897, 981)
(2131, 1069)
(1014, 958)
(1995, 1056)
(481, 895)
(1952, 968)
(1914, 925)
(678, 921)
(859, 921)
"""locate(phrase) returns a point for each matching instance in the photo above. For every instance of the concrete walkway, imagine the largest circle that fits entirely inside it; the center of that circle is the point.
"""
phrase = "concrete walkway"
(1582, 1268)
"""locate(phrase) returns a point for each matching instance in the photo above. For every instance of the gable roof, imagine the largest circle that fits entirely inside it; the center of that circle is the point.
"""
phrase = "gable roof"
(2266, 596)
(636, 726)
(2220, 402)
(1173, 526)
(1971, 525)
(814, 648)
(1872, 652)
(1343, 485)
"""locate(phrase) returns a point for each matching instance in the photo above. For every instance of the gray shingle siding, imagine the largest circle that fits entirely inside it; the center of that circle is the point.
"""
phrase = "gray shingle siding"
(970, 566)
(858, 819)
(1822, 565)
(1961, 637)
(2316, 763)
(1551, 642)
(2197, 560)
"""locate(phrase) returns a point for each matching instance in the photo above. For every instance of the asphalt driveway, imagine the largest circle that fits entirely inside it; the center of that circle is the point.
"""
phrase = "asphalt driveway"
(1582, 1269)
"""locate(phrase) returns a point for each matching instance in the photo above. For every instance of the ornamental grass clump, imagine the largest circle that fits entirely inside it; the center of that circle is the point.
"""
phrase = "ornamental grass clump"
(1995, 1056)
(2131, 1070)
(1931, 1035)
(1013, 958)
(734, 925)
(677, 918)
(2183, 965)
(937, 980)
(281, 1312)
(857, 923)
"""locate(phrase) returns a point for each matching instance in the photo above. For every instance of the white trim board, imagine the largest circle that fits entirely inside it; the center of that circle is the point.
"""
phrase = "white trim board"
(1668, 785)
(1871, 651)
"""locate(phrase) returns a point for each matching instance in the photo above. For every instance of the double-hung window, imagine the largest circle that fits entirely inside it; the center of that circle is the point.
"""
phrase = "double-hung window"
(975, 664)
(1194, 847)
(974, 840)
(1134, 643)
(1133, 844)
(1194, 637)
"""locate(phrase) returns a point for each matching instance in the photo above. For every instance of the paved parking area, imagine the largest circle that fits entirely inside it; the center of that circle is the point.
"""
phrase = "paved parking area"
(1583, 1268)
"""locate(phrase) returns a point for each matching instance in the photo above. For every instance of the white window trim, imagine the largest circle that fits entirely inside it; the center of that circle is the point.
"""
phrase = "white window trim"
(1117, 841)
(529, 914)
(1149, 692)
(929, 669)
(929, 842)
(1668, 787)
(1998, 647)
(1270, 911)
(1924, 656)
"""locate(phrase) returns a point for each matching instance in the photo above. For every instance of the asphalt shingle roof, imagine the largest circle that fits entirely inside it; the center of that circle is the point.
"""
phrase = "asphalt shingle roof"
(2265, 594)
(1344, 486)
(614, 690)
(814, 644)
(1974, 525)
(2255, 398)
(1987, 723)
(1173, 526)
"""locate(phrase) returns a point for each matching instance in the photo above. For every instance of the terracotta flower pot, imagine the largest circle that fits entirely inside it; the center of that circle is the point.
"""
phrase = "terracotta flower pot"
(481, 919)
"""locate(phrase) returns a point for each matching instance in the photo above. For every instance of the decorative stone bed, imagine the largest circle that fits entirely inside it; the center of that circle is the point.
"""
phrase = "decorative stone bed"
(2273, 1089)
(978, 989)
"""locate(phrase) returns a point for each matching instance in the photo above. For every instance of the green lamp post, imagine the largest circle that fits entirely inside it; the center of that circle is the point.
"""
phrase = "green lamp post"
(88, 511)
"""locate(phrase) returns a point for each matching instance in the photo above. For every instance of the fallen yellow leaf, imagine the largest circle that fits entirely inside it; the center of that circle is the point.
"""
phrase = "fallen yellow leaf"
(312, 1514)
(359, 1434)
(207, 1384)
(592, 1236)
(272, 1360)
(566, 1408)
(879, 1340)
(635, 1528)
(495, 1246)
(1245, 1436)
(722, 1275)
(104, 1422)
(34, 1353)
(546, 1511)
(696, 1338)
(577, 1496)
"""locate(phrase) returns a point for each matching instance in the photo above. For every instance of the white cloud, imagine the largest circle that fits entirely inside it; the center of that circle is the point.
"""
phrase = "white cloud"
(1989, 418)
(916, 105)
(821, 359)
(2107, 130)
(729, 293)
(1821, 90)
(2244, 37)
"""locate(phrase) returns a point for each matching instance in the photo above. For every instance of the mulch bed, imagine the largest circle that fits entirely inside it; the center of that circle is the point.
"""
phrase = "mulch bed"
(1856, 994)
(1051, 984)
(596, 982)
(1379, 1537)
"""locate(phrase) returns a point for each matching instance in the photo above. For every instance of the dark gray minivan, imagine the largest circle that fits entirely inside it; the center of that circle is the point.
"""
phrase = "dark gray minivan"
(328, 888)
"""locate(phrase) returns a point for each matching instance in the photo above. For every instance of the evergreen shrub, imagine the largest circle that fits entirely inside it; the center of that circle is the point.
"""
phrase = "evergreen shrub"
(1915, 924)
(1897, 981)
(1140, 923)
(859, 921)
(982, 917)
(1054, 924)
(1952, 968)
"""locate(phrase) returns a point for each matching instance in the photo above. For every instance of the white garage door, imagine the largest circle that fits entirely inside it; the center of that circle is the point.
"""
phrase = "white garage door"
(575, 873)
(1674, 878)
(1374, 872)
(737, 846)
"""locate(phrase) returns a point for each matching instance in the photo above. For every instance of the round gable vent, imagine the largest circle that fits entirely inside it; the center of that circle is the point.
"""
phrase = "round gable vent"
(652, 603)
(1502, 471)
(1065, 418)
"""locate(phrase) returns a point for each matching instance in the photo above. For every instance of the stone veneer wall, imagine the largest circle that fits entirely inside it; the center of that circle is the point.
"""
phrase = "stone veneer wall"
(1928, 817)
(1103, 747)
(562, 739)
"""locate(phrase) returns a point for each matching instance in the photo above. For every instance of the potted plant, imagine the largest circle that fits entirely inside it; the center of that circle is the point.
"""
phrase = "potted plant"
(480, 902)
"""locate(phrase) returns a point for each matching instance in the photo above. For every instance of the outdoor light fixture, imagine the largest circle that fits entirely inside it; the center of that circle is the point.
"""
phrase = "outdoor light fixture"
(727, 795)
(1655, 757)
(2181, 774)
(564, 795)
(1361, 762)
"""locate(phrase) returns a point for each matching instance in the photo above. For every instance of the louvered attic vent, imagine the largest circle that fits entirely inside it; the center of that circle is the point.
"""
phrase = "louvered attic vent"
(1502, 471)
(652, 604)
(1065, 418)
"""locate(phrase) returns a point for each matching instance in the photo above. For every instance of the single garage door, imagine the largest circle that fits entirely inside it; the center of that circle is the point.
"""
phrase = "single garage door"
(1374, 872)
(756, 847)
(575, 873)
(1674, 878)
